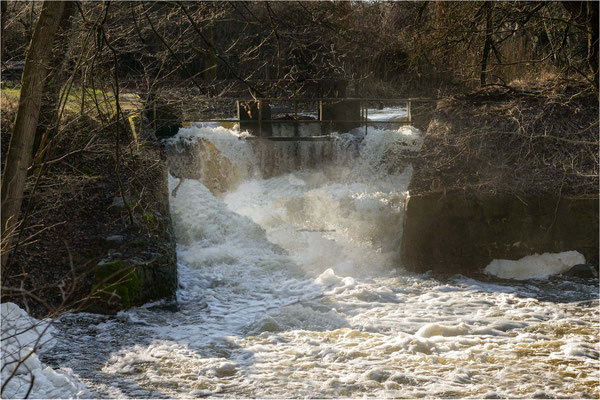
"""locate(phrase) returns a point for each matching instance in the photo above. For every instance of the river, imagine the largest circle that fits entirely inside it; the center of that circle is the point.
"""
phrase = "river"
(291, 286)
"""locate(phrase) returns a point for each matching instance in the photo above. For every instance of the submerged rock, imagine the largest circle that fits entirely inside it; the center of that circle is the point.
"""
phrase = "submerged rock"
(585, 271)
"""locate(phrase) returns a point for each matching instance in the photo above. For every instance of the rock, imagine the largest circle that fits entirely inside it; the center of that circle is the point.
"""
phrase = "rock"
(584, 271)
(114, 254)
(144, 269)
(116, 239)
(169, 305)
(117, 204)
(103, 261)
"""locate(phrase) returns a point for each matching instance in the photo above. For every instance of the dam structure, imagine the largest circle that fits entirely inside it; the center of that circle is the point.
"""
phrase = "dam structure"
(291, 284)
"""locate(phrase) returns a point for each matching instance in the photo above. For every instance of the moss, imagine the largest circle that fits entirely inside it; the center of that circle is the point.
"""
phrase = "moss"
(150, 221)
(115, 278)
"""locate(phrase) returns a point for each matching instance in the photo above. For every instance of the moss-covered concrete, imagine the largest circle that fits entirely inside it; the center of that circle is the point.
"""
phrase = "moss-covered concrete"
(117, 285)
(142, 265)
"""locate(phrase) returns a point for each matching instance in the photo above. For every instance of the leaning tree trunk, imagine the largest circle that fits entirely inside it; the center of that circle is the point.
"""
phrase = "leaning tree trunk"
(18, 156)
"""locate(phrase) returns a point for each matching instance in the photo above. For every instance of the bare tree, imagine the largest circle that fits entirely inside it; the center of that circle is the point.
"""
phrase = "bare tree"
(18, 157)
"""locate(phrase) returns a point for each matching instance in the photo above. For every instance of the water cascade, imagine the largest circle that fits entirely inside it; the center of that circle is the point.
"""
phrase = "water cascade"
(290, 286)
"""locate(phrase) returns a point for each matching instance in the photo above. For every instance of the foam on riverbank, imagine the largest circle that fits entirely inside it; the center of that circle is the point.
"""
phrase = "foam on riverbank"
(536, 266)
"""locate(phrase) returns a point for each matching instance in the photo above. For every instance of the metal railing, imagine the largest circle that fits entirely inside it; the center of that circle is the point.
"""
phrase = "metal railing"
(298, 115)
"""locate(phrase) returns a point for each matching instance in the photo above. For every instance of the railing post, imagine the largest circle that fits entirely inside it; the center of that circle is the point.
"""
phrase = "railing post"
(260, 118)
(366, 119)
(296, 128)
(320, 110)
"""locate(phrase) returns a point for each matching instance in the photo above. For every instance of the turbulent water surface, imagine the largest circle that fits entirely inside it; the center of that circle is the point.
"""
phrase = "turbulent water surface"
(291, 286)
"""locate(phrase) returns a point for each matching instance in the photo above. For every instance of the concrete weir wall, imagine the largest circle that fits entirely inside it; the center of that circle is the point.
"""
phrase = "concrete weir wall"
(484, 190)
(140, 264)
(463, 232)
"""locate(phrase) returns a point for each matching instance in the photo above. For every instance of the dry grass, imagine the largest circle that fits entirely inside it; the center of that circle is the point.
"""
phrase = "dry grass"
(527, 139)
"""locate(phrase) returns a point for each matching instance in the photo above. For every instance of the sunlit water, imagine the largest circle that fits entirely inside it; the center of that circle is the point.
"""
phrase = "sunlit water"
(292, 287)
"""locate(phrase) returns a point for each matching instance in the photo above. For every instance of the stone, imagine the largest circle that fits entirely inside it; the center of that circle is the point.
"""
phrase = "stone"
(149, 271)
(114, 254)
(104, 261)
(117, 204)
(476, 195)
(114, 239)
(169, 305)
(584, 271)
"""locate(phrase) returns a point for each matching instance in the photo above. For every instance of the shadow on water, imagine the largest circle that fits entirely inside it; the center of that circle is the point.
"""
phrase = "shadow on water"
(194, 341)
(554, 289)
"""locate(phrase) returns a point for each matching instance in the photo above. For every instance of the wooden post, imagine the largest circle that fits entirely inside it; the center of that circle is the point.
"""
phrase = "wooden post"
(408, 111)
(320, 110)
(296, 129)
(366, 119)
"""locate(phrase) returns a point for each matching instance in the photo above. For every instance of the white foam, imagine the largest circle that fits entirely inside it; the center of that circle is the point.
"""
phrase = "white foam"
(536, 266)
(434, 329)
(23, 337)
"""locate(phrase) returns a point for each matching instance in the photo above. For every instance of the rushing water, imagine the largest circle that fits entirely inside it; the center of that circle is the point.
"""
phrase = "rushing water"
(291, 286)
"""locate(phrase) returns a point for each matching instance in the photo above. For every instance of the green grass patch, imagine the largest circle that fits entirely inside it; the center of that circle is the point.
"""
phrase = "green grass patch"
(92, 102)
(9, 97)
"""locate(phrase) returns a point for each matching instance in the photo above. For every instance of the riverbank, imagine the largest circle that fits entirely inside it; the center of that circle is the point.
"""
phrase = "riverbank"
(76, 219)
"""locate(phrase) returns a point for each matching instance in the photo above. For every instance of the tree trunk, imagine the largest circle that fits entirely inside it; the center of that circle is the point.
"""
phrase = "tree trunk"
(4, 7)
(593, 15)
(18, 156)
(585, 13)
(54, 80)
(488, 43)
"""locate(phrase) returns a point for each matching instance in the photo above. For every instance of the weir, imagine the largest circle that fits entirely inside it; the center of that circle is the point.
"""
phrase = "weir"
(282, 119)
(294, 137)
